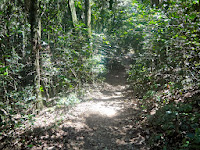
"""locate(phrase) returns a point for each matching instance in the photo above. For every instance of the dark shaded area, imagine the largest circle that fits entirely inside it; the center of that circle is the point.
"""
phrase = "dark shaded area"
(116, 77)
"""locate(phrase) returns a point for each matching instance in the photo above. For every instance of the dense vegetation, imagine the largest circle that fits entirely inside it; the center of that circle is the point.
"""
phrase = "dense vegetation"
(51, 49)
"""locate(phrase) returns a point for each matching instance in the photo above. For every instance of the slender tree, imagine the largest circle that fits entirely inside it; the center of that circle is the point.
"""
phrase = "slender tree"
(73, 12)
(35, 22)
(88, 17)
(111, 4)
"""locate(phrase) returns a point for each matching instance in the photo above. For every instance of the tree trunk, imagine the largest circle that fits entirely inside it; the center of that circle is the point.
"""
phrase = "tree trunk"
(88, 17)
(111, 4)
(37, 66)
(35, 22)
(102, 13)
(73, 12)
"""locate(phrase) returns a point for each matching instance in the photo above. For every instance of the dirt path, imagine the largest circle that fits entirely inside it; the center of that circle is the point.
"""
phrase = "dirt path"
(108, 120)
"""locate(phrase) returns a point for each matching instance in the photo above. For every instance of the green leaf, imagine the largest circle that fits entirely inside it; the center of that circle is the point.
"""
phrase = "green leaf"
(195, 2)
(152, 22)
(41, 89)
(5, 73)
(193, 16)
(30, 146)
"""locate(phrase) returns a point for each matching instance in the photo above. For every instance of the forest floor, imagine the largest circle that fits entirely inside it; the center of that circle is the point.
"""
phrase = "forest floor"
(109, 118)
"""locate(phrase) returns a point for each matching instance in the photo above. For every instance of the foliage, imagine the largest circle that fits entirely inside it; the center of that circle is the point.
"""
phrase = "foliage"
(175, 126)
(161, 36)
(68, 59)
(69, 100)
(165, 70)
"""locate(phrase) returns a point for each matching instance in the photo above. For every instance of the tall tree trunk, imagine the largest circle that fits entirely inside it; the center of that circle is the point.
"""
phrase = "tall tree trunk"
(88, 17)
(73, 12)
(35, 22)
(111, 4)
(102, 12)
(6, 50)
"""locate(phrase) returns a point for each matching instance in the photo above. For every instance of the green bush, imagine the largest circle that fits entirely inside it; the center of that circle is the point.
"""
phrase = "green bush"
(175, 126)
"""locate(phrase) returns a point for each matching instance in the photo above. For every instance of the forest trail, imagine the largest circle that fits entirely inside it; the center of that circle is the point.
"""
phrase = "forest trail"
(108, 119)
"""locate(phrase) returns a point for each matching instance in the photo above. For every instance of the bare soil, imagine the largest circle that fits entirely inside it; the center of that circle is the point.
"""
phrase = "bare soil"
(108, 119)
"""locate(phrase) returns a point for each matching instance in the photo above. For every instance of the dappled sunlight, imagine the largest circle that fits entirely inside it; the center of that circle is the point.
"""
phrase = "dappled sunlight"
(100, 75)
(108, 119)
(103, 110)
(105, 98)
(103, 118)
(110, 97)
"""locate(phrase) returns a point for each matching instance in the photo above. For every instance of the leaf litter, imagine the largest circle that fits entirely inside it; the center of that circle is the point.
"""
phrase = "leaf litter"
(109, 118)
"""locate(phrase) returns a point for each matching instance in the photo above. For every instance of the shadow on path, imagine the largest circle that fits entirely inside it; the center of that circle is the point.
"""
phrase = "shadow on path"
(110, 122)
(96, 132)
(116, 77)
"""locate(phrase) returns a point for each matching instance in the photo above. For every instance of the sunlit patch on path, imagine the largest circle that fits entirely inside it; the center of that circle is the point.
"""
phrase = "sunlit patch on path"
(103, 110)
(107, 119)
